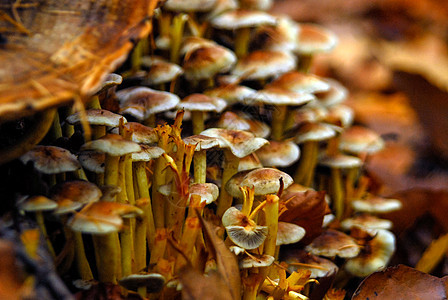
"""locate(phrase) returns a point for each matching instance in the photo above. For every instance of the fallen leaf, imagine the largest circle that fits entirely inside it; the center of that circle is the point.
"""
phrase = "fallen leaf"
(401, 282)
(196, 286)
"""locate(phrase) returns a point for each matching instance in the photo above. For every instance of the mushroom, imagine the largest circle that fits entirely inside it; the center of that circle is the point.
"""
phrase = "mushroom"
(278, 154)
(279, 37)
(160, 72)
(333, 243)
(300, 259)
(143, 283)
(366, 221)
(203, 143)
(376, 204)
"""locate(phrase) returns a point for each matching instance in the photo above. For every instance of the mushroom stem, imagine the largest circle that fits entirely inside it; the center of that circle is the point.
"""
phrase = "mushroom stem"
(198, 121)
(94, 103)
(200, 166)
(142, 291)
(307, 163)
(242, 38)
(337, 193)
(143, 191)
(107, 255)
(305, 62)
(150, 121)
(129, 180)
(140, 237)
(191, 230)
(136, 58)
(271, 212)
(81, 260)
(177, 31)
(127, 247)
(159, 246)
(98, 131)
(111, 170)
(231, 163)
(56, 129)
(278, 120)
(41, 224)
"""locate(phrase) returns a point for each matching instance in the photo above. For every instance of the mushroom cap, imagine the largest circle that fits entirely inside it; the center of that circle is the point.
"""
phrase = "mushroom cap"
(278, 96)
(109, 192)
(278, 154)
(233, 121)
(256, 4)
(111, 80)
(249, 162)
(333, 243)
(279, 37)
(161, 72)
(335, 95)
(289, 233)
(309, 113)
(247, 237)
(262, 64)
(153, 282)
(112, 144)
(366, 221)
(141, 134)
(92, 161)
(220, 7)
(202, 142)
(147, 153)
(205, 62)
(191, 43)
(375, 256)
(141, 102)
(102, 217)
(67, 206)
(241, 18)
(256, 261)
(314, 132)
(376, 204)
(358, 139)
(76, 190)
(340, 115)
(231, 93)
(241, 143)
(315, 39)
(299, 82)
(51, 159)
(208, 192)
(319, 266)
(340, 161)
(189, 6)
(201, 102)
(38, 203)
(97, 117)
(264, 180)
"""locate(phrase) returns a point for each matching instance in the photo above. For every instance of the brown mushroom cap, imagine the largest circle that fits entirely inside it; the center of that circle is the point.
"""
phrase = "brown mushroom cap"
(335, 95)
(309, 113)
(51, 159)
(112, 144)
(376, 204)
(97, 117)
(38, 203)
(161, 72)
(141, 134)
(278, 96)
(206, 62)
(278, 154)
(256, 261)
(111, 80)
(333, 243)
(202, 142)
(147, 153)
(358, 139)
(264, 180)
(299, 82)
(189, 6)
(340, 115)
(262, 64)
(153, 282)
(92, 161)
(366, 221)
(241, 143)
(289, 233)
(249, 162)
(375, 256)
(340, 161)
(76, 190)
(191, 43)
(315, 39)
(201, 102)
(242, 19)
(279, 37)
(314, 132)
(208, 192)
(256, 4)
(299, 259)
(231, 93)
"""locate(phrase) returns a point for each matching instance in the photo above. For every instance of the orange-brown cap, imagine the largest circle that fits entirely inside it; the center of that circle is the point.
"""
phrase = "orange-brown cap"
(366, 221)
(201, 102)
(278, 154)
(376, 204)
(241, 18)
(301, 82)
(314, 132)
(189, 6)
(333, 243)
(51, 159)
(315, 39)
(202, 142)
(97, 117)
(300, 259)
(358, 139)
(112, 144)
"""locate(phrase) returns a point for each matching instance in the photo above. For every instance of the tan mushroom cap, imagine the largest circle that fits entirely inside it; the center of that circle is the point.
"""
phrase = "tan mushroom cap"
(112, 80)
(262, 64)
(102, 217)
(201, 102)
(308, 114)
(289, 233)
(231, 93)
(333, 243)
(112, 144)
(340, 115)
(264, 180)
(256, 261)
(241, 18)
(375, 256)
(51, 159)
(247, 237)
(147, 153)
(300, 259)
(358, 139)
(162, 72)
(278, 96)
(76, 190)
(38, 203)
(366, 221)
(279, 37)
(92, 161)
(208, 192)
(249, 162)
(315, 39)
(340, 161)
(206, 62)
(202, 142)
(314, 132)
(241, 121)
(67, 206)
(141, 102)
(153, 282)
(278, 154)
(220, 7)
(191, 43)
(141, 134)
(376, 204)
(97, 117)
(256, 4)
(335, 95)
(109, 192)
(301, 82)
(241, 143)
(189, 6)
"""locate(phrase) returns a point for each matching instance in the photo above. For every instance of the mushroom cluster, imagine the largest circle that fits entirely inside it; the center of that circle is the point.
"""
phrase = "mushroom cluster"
(220, 122)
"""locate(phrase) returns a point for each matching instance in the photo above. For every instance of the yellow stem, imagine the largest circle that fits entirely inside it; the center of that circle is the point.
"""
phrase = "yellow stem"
(41, 223)
(177, 32)
(198, 121)
(278, 120)
(337, 193)
(231, 163)
(200, 166)
(107, 255)
(306, 161)
(127, 248)
(81, 260)
(242, 41)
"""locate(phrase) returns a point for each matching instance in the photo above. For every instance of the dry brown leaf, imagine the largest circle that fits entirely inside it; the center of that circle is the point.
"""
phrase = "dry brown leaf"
(196, 286)
(401, 282)
(306, 210)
